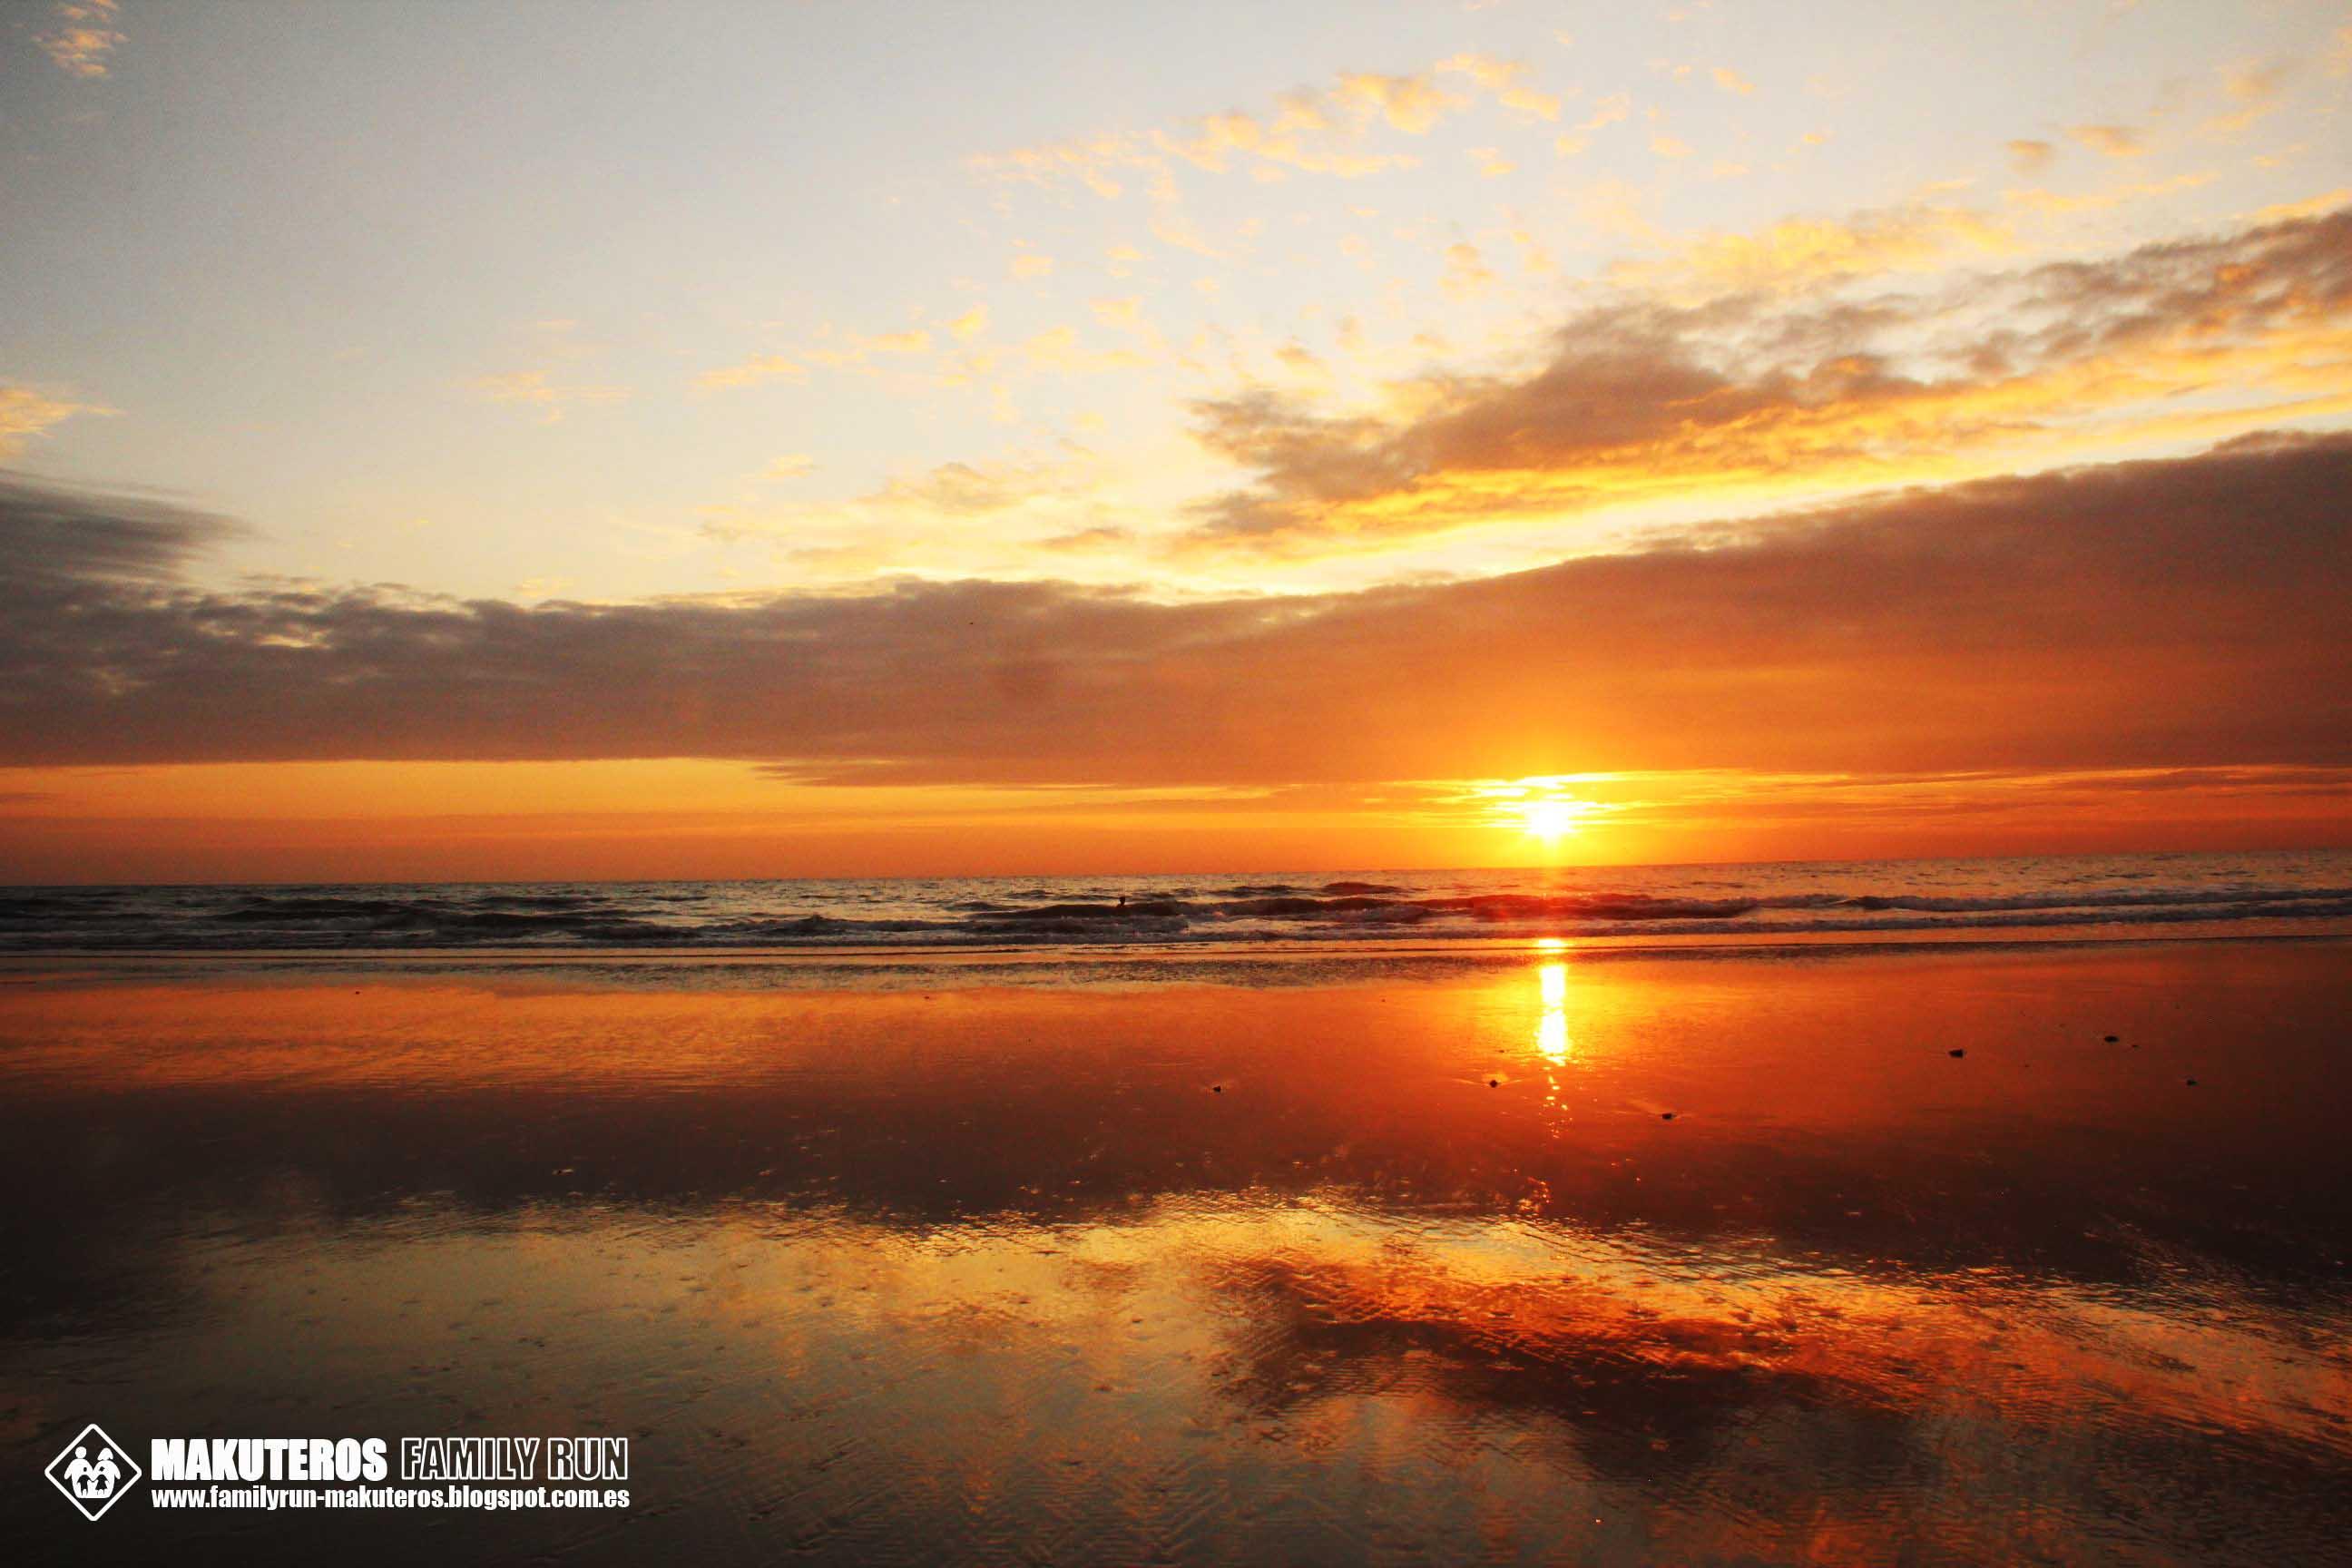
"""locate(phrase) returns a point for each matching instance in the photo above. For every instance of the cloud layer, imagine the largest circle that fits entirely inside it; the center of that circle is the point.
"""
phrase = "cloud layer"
(1754, 377)
(2172, 614)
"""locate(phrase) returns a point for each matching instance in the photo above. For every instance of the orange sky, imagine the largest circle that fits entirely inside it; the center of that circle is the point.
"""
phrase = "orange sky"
(627, 821)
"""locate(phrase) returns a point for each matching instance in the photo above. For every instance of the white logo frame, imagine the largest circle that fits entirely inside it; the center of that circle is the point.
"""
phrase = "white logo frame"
(93, 1509)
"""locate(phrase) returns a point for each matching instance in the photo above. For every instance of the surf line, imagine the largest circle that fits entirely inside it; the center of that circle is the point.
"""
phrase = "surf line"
(469, 1458)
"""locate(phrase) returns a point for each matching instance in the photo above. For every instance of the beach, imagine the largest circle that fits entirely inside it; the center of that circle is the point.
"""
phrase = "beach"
(1525, 1252)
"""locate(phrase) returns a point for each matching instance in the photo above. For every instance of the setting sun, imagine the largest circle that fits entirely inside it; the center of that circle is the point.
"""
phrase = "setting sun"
(1551, 819)
(1538, 808)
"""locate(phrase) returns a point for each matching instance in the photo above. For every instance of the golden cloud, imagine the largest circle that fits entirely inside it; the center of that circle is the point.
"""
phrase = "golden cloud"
(1806, 253)
(2029, 157)
(1763, 392)
(1308, 131)
(2115, 141)
(26, 413)
(82, 37)
(751, 372)
(536, 389)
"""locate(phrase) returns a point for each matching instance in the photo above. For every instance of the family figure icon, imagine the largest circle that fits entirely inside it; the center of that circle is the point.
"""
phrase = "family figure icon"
(93, 1471)
(91, 1477)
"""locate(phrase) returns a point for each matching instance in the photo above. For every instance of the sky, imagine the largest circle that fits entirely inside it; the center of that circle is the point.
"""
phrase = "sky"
(611, 440)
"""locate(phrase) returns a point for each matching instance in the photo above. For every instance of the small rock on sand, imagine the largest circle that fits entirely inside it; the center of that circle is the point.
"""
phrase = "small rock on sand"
(1956, 1051)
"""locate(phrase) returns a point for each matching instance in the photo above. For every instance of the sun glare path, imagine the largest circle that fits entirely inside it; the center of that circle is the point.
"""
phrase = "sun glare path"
(1551, 1026)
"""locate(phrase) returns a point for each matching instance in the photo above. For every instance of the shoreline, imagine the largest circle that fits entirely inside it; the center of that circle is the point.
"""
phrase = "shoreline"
(1113, 957)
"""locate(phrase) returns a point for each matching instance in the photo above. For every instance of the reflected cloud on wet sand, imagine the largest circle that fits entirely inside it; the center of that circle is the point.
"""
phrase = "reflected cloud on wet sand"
(1409, 1262)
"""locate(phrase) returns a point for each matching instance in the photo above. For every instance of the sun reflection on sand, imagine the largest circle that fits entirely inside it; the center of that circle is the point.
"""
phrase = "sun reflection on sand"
(1551, 1030)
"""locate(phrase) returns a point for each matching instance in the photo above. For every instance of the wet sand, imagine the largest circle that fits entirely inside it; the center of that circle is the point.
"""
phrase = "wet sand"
(1538, 1258)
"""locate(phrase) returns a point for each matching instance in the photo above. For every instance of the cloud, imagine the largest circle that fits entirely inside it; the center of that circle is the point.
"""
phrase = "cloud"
(2115, 195)
(1413, 104)
(1642, 396)
(2256, 81)
(58, 542)
(1058, 349)
(929, 516)
(1534, 257)
(968, 325)
(1170, 226)
(82, 37)
(972, 489)
(1506, 80)
(1804, 253)
(1030, 264)
(1311, 130)
(26, 413)
(2028, 157)
(1492, 164)
(1273, 151)
(2309, 206)
(1732, 81)
(1467, 276)
(835, 350)
(2157, 614)
(2115, 141)
(533, 389)
(1124, 313)
(2256, 86)
(751, 372)
(1610, 110)
(1084, 539)
(791, 465)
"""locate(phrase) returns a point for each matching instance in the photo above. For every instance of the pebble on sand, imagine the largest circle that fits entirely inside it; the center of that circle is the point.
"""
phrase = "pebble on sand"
(1665, 1116)
(2111, 1039)
(1956, 1051)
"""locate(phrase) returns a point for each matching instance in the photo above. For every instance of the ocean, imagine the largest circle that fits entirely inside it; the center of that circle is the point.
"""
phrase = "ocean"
(2027, 897)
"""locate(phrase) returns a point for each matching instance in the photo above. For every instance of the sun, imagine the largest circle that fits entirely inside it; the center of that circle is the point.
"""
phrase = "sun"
(1550, 820)
(1540, 807)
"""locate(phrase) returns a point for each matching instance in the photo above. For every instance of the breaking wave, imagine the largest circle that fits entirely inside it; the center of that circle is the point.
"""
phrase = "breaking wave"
(2024, 895)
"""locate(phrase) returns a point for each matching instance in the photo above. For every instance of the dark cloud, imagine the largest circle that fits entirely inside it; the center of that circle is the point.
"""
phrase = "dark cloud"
(1643, 397)
(54, 537)
(2179, 614)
